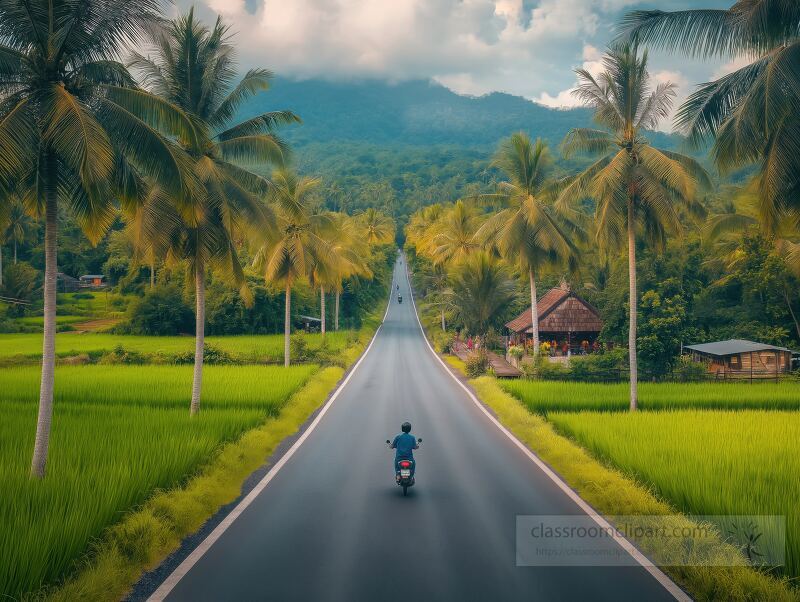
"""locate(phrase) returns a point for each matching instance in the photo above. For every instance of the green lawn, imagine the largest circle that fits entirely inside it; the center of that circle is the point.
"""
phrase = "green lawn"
(119, 433)
(704, 462)
(549, 396)
(249, 347)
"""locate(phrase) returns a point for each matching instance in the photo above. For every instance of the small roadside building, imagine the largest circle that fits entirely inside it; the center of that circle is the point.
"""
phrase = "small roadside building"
(564, 318)
(738, 358)
(93, 280)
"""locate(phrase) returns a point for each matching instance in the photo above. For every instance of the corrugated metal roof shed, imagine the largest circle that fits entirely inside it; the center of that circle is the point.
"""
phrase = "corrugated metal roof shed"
(733, 347)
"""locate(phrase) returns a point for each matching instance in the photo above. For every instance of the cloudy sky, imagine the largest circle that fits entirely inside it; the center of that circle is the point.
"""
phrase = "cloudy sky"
(524, 47)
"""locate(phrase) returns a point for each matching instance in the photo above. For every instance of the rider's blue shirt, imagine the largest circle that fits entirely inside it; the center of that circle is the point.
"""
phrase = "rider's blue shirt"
(405, 444)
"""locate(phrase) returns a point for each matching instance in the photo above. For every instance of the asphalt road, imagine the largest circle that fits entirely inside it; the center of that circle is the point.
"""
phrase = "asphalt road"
(332, 524)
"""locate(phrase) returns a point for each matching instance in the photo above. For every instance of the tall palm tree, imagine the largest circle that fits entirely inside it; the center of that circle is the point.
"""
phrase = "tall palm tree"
(526, 230)
(637, 188)
(349, 252)
(289, 254)
(193, 68)
(73, 127)
(378, 229)
(452, 237)
(751, 112)
(19, 226)
(5, 226)
(418, 229)
(482, 289)
(420, 234)
(726, 230)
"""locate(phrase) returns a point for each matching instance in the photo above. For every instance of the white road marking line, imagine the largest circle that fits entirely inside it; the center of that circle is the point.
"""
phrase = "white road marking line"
(184, 567)
(626, 545)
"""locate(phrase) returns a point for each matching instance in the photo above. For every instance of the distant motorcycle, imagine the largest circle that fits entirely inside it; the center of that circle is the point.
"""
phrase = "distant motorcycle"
(399, 298)
(406, 479)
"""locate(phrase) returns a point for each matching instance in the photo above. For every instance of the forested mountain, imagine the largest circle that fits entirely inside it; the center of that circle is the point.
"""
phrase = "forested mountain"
(416, 113)
(401, 146)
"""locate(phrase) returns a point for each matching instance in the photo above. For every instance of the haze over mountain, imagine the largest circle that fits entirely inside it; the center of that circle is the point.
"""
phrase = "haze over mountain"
(418, 113)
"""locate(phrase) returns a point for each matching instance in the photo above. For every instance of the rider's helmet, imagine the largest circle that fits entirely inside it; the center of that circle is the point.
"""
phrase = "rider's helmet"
(406, 427)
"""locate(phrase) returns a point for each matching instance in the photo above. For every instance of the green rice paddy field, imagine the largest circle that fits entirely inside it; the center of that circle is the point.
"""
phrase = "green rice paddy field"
(119, 433)
(254, 347)
(704, 462)
(544, 397)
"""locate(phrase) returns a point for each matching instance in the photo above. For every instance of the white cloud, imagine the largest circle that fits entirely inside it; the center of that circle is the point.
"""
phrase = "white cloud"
(593, 63)
(524, 47)
(731, 66)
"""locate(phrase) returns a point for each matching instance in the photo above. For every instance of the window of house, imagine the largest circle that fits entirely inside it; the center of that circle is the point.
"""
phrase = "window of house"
(736, 361)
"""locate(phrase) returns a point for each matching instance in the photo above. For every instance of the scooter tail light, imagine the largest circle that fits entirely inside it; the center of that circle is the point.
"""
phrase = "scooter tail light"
(405, 464)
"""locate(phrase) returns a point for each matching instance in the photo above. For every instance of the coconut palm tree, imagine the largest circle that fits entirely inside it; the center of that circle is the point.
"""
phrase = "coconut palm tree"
(192, 67)
(418, 230)
(420, 234)
(637, 188)
(349, 253)
(482, 289)
(73, 127)
(751, 112)
(19, 226)
(289, 253)
(526, 230)
(377, 228)
(452, 237)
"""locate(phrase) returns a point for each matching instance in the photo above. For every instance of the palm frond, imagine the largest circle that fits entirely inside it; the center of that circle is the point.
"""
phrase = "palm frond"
(700, 33)
(249, 150)
(254, 81)
(588, 141)
(266, 123)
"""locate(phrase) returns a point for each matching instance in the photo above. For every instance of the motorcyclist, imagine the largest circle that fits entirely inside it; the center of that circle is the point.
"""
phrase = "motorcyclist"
(399, 298)
(404, 445)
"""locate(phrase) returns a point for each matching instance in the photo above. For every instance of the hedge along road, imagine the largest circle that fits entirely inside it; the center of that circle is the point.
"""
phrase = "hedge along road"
(329, 523)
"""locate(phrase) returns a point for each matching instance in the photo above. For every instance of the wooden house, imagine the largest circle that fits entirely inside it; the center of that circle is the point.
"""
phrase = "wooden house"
(564, 318)
(93, 281)
(737, 358)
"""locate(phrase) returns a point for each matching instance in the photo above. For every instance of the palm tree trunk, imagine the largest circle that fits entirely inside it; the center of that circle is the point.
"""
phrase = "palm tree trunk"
(788, 300)
(1, 265)
(15, 251)
(322, 309)
(632, 302)
(336, 313)
(287, 324)
(444, 325)
(49, 343)
(152, 273)
(200, 334)
(534, 313)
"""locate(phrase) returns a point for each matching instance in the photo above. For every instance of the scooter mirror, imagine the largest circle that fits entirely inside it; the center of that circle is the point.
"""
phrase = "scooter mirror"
(388, 442)
(419, 440)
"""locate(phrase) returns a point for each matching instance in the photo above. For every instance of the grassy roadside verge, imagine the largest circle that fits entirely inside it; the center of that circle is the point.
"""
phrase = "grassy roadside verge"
(148, 534)
(612, 493)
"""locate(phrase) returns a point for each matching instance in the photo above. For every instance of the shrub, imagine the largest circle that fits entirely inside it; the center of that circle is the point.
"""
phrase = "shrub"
(19, 282)
(687, 370)
(600, 366)
(477, 363)
(162, 311)
(516, 351)
(120, 355)
(83, 296)
(211, 355)
(442, 341)
(298, 347)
